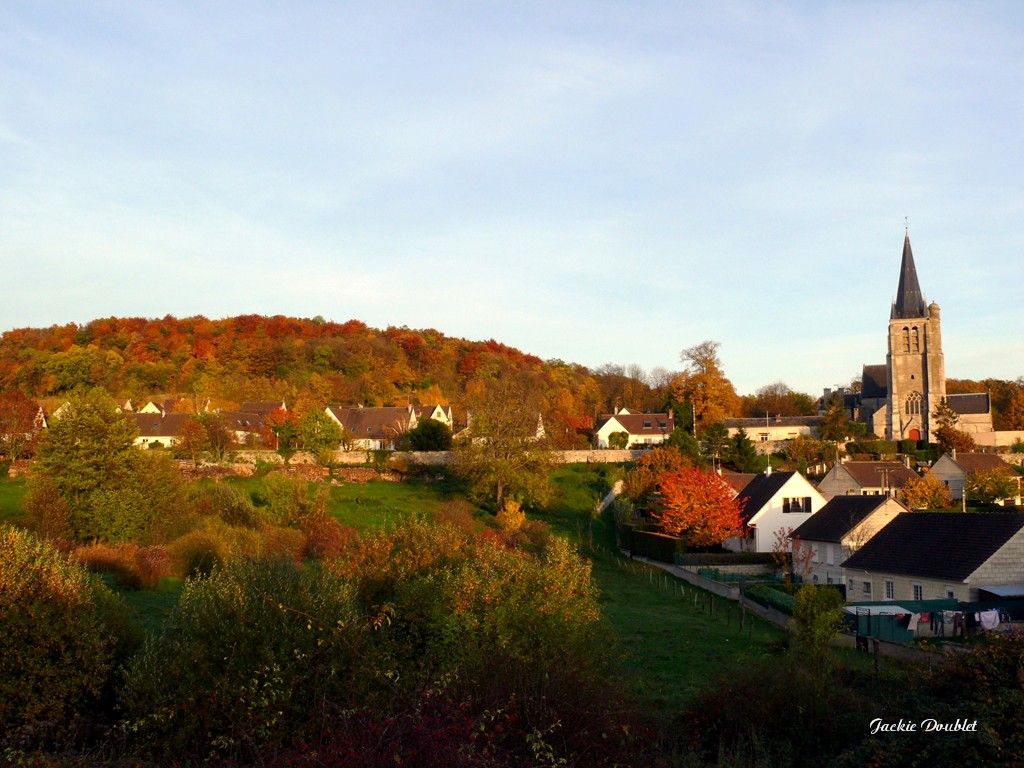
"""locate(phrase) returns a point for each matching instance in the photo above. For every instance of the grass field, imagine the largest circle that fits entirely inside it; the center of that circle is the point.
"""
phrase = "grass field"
(12, 490)
(672, 643)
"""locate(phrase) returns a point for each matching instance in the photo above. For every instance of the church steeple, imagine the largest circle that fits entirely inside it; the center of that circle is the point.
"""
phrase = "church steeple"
(909, 301)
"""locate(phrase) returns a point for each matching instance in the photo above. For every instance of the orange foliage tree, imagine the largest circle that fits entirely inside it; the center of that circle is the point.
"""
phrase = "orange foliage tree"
(697, 506)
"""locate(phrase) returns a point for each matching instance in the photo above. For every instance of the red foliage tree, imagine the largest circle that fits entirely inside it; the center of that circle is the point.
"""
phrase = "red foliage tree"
(697, 506)
(18, 426)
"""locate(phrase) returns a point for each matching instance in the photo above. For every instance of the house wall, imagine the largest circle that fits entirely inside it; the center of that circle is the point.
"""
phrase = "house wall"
(771, 519)
(1004, 567)
(858, 536)
(837, 482)
(903, 587)
(951, 476)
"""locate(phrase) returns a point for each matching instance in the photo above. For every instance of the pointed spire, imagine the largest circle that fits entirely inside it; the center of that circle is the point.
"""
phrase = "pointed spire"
(909, 299)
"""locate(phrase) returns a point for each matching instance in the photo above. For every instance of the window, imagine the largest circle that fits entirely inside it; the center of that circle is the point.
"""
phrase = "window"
(906, 339)
(849, 586)
(918, 591)
(950, 594)
(763, 437)
(867, 589)
(913, 404)
(915, 339)
(890, 589)
(797, 504)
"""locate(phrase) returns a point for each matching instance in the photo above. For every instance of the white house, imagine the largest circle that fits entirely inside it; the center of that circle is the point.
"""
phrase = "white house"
(773, 505)
(641, 429)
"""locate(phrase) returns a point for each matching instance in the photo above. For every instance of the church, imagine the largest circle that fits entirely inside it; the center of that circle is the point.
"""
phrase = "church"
(897, 398)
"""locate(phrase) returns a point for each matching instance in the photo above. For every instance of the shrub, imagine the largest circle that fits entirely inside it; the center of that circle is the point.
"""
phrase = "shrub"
(62, 635)
(279, 542)
(325, 536)
(246, 659)
(225, 501)
(199, 552)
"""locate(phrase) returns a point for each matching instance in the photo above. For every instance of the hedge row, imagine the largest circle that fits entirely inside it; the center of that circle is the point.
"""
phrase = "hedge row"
(725, 558)
(771, 598)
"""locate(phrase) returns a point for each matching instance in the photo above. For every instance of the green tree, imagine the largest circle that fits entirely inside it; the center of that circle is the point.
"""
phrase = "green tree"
(744, 455)
(89, 473)
(835, 423)
(321, 435)
(503, 455)
(993, 486)
(429, 435)
(817, 619)
(618, 440)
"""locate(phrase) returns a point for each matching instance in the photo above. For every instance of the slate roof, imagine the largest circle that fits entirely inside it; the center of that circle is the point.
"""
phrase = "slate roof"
(242, 421)
(158, 424)
(874, 381)
(966, 404)
(871, 474)
(384, 423)
(909, 302)
(760, 490)
(261, 408)
(773, 421)
(838, 517)
(936, 545)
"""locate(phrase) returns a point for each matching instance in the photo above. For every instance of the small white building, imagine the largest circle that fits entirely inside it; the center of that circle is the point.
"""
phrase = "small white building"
(773, 505)
(641, 429)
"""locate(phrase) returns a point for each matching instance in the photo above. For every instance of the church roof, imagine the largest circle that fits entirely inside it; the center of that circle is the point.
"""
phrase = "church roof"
(974, 402)
(875, 381)
(909, 299)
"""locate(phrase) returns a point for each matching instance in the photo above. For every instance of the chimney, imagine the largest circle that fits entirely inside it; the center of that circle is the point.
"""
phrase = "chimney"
(768, 469)
(952, 452)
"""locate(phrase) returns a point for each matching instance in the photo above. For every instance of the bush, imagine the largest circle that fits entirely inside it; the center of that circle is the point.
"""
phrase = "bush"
(246, 659)
(770, 597)
(62, 635)
(225, 501)
(199, 552)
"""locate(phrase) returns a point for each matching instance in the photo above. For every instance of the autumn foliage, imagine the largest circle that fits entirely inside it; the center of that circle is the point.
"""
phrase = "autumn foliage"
(698, 506)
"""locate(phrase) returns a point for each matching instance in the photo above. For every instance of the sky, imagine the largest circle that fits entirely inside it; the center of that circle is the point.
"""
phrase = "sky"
(597, 182)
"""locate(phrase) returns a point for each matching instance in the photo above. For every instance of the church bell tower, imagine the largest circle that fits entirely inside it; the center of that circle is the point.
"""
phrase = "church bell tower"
(916, 368)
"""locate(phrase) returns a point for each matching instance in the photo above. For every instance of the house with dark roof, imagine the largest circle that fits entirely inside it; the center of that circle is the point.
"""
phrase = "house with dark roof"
(157, 429)
(262, 407)
(247, 427)
(930, 555)
(372, 428)
(954, 469)
(865, 478)
(772, 505)
(641, 429)
(840, 528)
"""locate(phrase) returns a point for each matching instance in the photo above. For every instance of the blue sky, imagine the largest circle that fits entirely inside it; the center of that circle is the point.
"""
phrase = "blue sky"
(590, 181)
